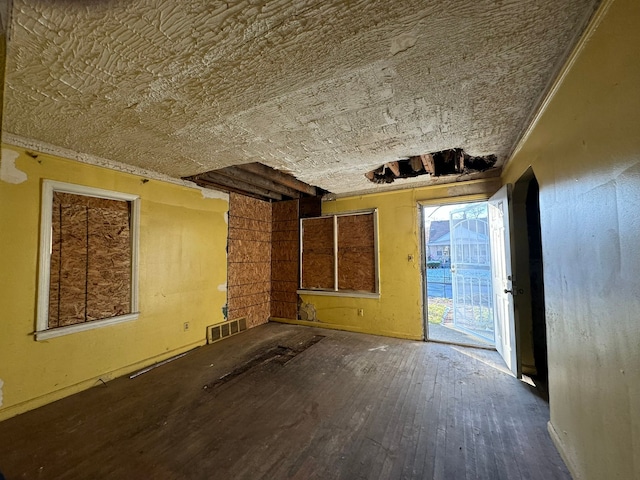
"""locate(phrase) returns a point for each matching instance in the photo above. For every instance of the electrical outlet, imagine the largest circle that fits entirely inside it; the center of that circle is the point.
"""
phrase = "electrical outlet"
(186, 326)
(361, 312)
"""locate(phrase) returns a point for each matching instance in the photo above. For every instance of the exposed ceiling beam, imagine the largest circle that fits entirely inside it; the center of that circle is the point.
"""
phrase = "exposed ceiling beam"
(224, 188)
(258, 181)
(237, 185)
(427, 161)
(279, 177)
(394, 167)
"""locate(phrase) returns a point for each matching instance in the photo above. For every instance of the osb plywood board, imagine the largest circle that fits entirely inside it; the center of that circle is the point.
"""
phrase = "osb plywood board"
(249, 259)
(285, 236)
(250, 208)
(283, 286)
(286, 296)
(242, 301)
(284, 310)
(355, 230)
(284, 271)
(90, 269)
(285, 252)
(248, 289)
(285, 211)
(317, 253)
(287, 225)
(356, 256)
(244, 273)
(356, 270)
(249, 224)
(109, 263)
(255, 314)
(73, 264)
(285, 260)
(253, 235)
(243, 251)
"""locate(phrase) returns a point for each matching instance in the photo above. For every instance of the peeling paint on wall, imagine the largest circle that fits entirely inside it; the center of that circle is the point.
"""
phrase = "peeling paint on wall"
(8, 171)
(222, 287)
(47, 148)
(307, 311)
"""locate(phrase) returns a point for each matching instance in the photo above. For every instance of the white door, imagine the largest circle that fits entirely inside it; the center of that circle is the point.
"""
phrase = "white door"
(502, 276)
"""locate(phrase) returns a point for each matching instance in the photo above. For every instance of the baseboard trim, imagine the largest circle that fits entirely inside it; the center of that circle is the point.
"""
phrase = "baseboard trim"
(346, 328)
(50, 397)
(561, 450)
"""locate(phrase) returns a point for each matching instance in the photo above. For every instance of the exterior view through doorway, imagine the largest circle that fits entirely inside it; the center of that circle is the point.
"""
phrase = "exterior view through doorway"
(458, 277)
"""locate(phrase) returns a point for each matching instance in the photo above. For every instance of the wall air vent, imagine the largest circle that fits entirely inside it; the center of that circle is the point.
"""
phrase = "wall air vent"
(225, 329)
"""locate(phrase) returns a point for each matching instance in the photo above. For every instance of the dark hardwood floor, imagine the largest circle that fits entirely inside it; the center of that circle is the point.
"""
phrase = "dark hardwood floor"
(296, 403)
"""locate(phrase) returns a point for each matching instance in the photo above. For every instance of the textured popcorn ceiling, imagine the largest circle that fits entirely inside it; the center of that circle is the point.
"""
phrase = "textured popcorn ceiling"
(326, 90)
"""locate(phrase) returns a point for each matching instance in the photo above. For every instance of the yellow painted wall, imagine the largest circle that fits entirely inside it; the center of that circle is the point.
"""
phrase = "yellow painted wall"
(585, 152)
(398, 312)
(182, 263)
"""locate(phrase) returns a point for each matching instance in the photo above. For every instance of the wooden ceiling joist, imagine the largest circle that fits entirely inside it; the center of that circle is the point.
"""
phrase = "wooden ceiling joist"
(258, 181)
(279, 177)
(222, 182)
(452, 161)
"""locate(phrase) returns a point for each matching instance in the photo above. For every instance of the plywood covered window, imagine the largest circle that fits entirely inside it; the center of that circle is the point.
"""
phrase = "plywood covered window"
(339, 254)
(88, 259)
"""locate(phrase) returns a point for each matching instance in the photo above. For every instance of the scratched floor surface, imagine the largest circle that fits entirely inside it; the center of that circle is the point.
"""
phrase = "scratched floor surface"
(282, 401)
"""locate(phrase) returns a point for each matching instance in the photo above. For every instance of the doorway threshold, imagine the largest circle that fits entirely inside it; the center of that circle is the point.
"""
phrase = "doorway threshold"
(442, 334)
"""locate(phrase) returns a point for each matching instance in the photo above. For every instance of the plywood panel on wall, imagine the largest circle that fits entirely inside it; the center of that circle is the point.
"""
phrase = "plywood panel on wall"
(285, 260)
(90, 270)
(317, 255)
(356, 255)
(249, 259)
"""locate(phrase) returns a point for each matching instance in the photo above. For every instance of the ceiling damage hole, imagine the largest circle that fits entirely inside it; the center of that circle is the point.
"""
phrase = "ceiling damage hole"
(453, 161)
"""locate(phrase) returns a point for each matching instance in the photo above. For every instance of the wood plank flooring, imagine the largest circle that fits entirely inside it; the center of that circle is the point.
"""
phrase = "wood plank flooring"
(349, 406)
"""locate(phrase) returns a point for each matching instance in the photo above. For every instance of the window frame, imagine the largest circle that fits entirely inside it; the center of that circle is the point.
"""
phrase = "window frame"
(43, 332)
(336, 292)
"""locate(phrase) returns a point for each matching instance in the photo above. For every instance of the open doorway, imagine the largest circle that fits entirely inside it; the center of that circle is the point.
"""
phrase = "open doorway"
(458, 282)
(530, 303)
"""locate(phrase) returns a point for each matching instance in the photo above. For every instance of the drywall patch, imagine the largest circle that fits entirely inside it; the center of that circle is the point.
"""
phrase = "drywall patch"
(8, 171)
(1, 384)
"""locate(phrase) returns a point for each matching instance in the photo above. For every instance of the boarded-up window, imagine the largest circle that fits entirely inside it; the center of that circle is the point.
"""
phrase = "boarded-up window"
(317, 253)
(88, 257)
(356, 255)
(90, 274)
(339, 253)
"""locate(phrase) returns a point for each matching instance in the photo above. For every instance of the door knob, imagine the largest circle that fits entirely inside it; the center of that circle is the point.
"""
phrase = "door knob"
(519, 291)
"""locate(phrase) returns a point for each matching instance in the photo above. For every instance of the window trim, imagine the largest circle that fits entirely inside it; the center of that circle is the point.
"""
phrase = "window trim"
(335, 292)
(43, 332)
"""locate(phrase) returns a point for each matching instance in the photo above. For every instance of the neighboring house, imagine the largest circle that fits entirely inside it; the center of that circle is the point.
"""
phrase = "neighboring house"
(473, 247)
(438, 241)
